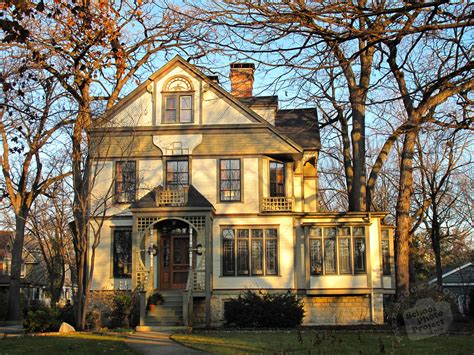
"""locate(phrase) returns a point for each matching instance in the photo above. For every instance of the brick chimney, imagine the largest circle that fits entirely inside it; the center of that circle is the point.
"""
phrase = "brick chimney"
(241, 79)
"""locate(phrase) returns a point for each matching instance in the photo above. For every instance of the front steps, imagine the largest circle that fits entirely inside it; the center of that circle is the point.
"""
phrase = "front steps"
(169, 313)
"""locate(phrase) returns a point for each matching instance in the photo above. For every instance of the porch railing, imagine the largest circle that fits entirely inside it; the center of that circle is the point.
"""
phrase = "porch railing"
(277, 204)
(171, 196)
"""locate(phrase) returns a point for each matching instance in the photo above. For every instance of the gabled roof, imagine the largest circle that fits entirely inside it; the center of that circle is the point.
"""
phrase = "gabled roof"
(195, 199)
(301, 125)
(178, 60)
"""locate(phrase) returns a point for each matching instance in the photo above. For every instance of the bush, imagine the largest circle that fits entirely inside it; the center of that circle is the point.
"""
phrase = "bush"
(134, 314)
(154, 299)
(3, 304)
(121, 306)
(42, 319)
(256, 310)
(66, 314)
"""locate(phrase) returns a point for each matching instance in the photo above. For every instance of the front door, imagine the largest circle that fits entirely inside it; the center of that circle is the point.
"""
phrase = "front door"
(174, 261)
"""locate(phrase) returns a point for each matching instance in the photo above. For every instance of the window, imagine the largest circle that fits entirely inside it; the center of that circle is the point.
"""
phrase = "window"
(277, 179)
(178, 109)
(122, 253)
(249, 251)
(178, 101)
(177, 173)
(230, 180)
(125, 181)
(386, 269)
(337, 250)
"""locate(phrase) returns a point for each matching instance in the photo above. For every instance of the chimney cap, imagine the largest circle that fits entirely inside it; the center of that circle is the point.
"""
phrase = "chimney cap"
(237, 65)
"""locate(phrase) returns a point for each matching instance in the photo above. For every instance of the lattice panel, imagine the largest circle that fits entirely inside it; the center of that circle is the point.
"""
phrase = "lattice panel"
(199, 222)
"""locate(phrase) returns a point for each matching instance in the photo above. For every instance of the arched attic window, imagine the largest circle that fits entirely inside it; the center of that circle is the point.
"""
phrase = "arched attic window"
(178, 97)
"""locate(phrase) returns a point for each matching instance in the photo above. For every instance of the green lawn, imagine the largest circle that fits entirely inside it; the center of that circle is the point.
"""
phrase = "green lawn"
(78, 343)
(319, 342)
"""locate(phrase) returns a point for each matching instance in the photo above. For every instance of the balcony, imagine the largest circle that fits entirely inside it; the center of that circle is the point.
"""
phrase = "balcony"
(171, 197)
(277, 204)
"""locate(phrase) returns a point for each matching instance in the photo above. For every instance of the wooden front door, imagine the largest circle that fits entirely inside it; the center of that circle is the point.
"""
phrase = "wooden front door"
(174, 262)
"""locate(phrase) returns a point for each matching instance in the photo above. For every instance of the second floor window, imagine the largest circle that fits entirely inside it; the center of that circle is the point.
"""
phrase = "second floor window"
(177, 173)
(277, 179)
(125, 181)
(178, 108)
(230, 180)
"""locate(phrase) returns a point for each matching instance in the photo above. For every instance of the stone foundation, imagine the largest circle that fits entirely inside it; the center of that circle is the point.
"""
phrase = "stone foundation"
(337, 310)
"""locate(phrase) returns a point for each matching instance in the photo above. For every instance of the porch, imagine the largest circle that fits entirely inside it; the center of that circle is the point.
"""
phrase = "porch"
(171, 249)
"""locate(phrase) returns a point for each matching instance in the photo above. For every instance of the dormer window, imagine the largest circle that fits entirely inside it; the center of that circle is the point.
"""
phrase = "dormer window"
(178, 101)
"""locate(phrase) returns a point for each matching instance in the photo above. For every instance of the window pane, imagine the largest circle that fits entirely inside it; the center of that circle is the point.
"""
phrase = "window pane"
(359, 254)
(230, 180)
(315, 232)
(316, 256)
(345, 256)
(271, 256)
(228, 252)
(358, 231)
(177, 173)
(122, 253)
(277, 179)
(242, 257)
(386, 257)
(257, 257)
(170, 102)
(385, 234)
(185, 116)
(330, 255)
(125, 183)
(257, 233)
(186, 102)
(244, 233)
(344, 231)
(330, 232)
(271, 233)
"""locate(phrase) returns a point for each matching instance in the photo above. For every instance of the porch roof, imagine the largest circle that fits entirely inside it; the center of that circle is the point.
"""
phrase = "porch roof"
(195, 199)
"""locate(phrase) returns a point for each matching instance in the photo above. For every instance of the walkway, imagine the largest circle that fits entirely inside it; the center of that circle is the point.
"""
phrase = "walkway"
(157, 342)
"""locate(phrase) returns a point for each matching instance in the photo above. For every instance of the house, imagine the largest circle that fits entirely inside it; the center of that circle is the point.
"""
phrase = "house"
(32, 281)
(203, 193)
(460, 282)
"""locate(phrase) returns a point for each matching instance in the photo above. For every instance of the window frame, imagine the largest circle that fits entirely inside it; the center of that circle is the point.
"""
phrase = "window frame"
(118, 200)
(176, 159)
(177, 94)
(114, 274)
(235, 251)
(219, 171)
(283, 194)
(321, 237)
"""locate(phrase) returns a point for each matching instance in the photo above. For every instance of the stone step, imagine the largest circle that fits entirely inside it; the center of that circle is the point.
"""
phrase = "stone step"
(166, 312)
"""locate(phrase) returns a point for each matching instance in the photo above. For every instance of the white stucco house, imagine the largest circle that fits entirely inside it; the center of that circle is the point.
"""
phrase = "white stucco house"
(183, 165)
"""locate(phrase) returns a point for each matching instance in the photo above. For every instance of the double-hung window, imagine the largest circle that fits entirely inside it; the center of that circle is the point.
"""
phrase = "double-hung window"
(230, 185)
(177, 173)
(249, 251)
(125, 181)
(122, 252)
(178, 108)
(277, 179)
(337, 250)
(178, 101)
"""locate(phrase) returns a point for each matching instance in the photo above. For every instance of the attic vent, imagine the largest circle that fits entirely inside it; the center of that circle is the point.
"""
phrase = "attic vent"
(213, 78)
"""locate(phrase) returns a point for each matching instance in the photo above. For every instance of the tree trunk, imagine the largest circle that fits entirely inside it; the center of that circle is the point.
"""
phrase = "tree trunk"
(403, 219)
(357, 198)
(435, 240)
(14, 309)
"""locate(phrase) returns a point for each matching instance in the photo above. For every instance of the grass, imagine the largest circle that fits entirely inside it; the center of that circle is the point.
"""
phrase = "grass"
(77, 343)
(319, 342)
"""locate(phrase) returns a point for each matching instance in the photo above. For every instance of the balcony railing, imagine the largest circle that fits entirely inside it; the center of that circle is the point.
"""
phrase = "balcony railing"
(171, 196)
(277, 204)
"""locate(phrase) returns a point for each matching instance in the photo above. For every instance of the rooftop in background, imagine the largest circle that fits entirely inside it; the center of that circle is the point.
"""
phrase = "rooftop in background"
(260, 100)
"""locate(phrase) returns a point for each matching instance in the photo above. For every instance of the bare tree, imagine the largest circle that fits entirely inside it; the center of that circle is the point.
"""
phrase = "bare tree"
(96, 49)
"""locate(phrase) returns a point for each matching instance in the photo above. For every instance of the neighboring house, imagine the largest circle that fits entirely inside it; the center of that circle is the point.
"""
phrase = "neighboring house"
(460, 281)
(182, 162)
(33, 281)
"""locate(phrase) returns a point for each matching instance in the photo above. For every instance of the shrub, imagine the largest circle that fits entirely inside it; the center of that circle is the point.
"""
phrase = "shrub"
(42, 319)
(121, 306)
(134, 314)
(265, 310)
(3, 304)
(66, 314)
(154, 299)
